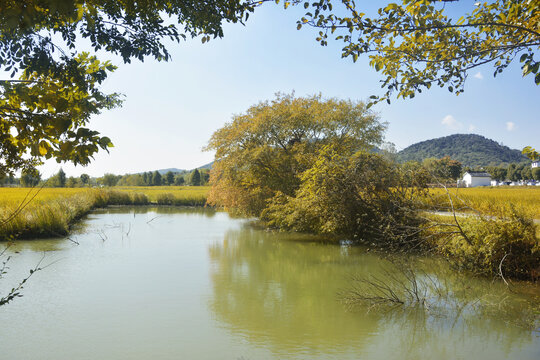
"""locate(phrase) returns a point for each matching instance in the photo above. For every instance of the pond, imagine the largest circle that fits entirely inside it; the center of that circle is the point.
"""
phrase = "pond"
(173, 283)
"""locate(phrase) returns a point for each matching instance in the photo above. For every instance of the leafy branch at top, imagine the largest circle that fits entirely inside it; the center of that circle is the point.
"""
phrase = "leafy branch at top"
(415, 44)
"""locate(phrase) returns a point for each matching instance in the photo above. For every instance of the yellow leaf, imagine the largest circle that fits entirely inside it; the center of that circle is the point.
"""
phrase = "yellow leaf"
(43, 148)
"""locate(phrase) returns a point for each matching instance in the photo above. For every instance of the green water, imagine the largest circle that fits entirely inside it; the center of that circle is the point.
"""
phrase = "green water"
(169, 283)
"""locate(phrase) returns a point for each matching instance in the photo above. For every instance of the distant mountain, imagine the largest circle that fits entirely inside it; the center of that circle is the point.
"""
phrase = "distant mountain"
(470, 149)
(207, 166)
(174, 170)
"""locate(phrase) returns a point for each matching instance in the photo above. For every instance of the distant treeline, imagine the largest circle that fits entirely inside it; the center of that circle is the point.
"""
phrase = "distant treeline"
(514, 172)
(32, 177)
(444, 168)
(450, 169)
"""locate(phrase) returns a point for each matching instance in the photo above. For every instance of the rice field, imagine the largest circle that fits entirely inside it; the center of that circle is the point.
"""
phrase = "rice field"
(490, 200)
(42, 212)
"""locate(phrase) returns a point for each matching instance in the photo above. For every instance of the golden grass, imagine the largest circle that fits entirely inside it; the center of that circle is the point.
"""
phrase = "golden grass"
(179, 192)
(492, 200)
(26, 212)
(11, 195)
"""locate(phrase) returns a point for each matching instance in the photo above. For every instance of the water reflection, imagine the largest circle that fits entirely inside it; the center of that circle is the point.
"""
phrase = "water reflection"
(185, 283)
(282, 293)
(150, 209)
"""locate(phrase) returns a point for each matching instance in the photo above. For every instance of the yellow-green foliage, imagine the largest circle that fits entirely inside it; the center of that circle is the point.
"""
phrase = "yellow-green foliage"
(491, 200)
(34, 212)
(492, 245)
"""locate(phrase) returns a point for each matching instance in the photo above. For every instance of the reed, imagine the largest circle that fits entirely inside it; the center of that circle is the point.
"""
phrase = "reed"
(31, 213)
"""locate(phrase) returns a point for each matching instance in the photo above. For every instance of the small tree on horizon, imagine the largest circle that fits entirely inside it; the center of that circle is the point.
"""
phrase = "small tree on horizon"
(195, 178)
(85, 179)
(169, 177)
(156, 178)
(179, 180)
(30, 177)
(72, 182)
(110, 179)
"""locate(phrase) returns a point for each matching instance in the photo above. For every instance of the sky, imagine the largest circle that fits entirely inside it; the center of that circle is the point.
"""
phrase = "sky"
(172, 108)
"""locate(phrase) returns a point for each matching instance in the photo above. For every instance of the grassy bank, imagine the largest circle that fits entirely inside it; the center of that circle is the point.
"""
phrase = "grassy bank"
(28, 213)
(170, 195)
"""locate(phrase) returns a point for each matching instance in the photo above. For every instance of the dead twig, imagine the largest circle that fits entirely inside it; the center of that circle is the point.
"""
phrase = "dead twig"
(152, 219)
(500, 269)
(73, 241)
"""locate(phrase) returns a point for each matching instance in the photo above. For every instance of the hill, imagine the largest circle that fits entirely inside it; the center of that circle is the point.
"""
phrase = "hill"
(181, 171)
(470, 149)
(206, 166)
(174, 170)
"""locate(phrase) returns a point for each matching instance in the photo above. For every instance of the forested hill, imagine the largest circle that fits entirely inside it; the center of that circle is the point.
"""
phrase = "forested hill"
(470, 149)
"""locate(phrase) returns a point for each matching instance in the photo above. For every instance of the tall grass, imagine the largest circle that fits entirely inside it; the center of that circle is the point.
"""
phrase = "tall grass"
(183, 195)
(52, 212)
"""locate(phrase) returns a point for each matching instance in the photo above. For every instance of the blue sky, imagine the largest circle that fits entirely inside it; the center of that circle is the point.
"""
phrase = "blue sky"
(171, 109)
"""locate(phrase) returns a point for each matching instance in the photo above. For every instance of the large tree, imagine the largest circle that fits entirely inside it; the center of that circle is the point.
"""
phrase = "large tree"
(416, 44)
(53, 89)
(265, 151)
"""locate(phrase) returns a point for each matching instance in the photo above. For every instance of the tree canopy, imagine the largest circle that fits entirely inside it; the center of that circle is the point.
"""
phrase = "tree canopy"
(265, 150)
(364, 196)
(54, 89)
(531, 153)
(416, 44)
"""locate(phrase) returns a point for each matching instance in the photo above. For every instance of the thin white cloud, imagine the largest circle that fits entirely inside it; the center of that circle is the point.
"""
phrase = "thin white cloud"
(479, 75)
(472, 128)
(451, 123)
(510, 126)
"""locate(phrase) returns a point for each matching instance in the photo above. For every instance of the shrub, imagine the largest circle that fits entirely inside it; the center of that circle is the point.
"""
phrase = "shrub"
(364, 197)
(139, 199)
(165, 199)
(495, 245)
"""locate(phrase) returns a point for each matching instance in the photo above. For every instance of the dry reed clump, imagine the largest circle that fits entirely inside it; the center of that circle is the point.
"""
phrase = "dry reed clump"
(165, 199)
(439, 292)
(505, 245)
(171, 199)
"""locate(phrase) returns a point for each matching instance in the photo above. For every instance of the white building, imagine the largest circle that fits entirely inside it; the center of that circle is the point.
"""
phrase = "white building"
(535, 164)
(473, 179)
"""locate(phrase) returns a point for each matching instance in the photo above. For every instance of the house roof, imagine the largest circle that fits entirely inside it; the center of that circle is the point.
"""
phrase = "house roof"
(478, 174)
